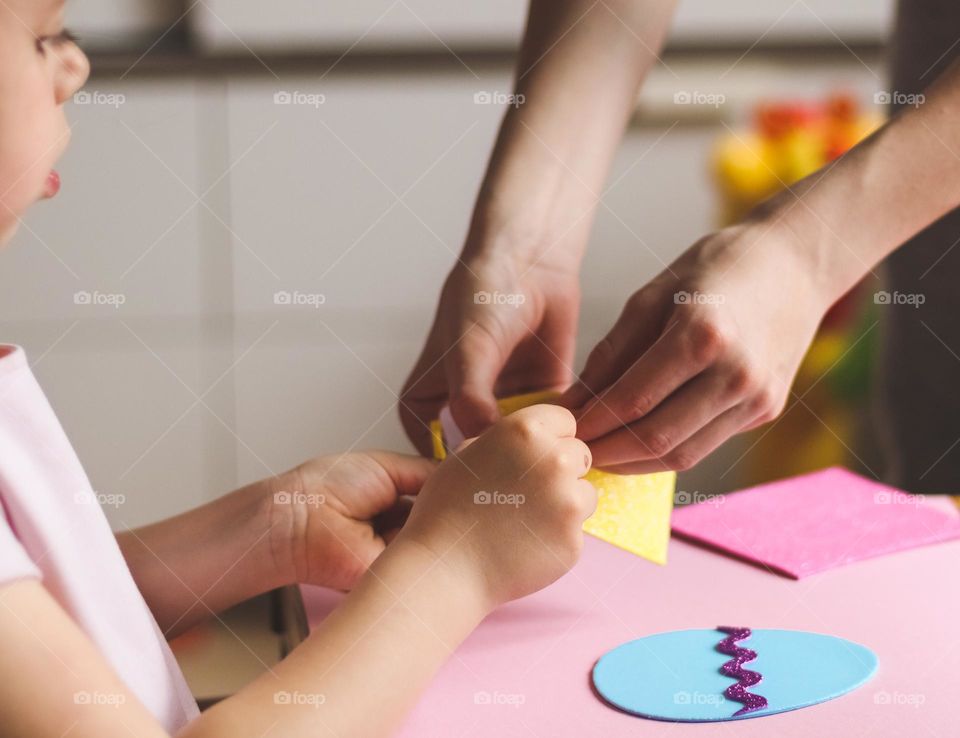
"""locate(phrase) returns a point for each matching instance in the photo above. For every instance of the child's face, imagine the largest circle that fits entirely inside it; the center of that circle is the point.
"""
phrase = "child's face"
(40, 70)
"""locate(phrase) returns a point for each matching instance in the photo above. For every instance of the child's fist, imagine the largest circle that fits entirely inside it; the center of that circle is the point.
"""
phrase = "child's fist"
(509, 506)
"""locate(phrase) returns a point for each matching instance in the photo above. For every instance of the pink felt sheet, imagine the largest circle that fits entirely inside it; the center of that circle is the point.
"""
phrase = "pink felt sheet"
(812, 523)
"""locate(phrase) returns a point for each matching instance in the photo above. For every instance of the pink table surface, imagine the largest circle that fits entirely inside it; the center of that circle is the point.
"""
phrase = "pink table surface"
(906, 607)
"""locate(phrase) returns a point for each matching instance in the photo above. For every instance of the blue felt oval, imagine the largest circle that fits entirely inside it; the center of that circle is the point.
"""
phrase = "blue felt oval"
(676, 675)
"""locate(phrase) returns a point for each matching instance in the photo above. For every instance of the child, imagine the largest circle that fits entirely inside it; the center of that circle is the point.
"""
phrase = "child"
(83, 613)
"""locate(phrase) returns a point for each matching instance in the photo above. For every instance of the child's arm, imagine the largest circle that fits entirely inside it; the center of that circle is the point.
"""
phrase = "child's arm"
(360, 671)
(353, 676)
(206, 560)
(313, 524)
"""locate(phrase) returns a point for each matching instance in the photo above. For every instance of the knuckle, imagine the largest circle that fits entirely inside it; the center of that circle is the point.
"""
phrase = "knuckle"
(554, 462)
(523, 426)
(705, 340)
(767, 404)
(638, 403)
(682, 459)
(564, 462)
(567, 509)
(657, 443)
(741, 380)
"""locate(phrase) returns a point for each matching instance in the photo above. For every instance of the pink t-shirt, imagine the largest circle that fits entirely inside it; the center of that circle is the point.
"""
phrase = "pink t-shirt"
(52, 529)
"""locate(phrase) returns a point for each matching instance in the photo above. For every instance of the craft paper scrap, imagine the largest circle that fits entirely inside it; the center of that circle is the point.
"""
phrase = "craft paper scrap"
(633, 511)
(811, 523)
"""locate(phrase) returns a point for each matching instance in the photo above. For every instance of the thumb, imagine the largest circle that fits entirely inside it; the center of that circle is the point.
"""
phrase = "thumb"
(472, 368)
(406, 473)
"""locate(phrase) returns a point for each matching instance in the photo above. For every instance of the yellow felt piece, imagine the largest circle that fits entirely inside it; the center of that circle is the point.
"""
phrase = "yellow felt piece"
(633, 510)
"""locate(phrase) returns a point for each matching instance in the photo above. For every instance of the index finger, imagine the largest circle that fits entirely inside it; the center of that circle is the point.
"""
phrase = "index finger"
(680, 353)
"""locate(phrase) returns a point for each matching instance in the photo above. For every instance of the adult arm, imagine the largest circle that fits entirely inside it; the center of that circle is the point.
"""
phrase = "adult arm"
(507, 316)
(670, 381)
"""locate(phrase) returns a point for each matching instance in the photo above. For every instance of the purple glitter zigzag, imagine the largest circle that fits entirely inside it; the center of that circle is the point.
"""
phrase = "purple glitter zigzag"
(734, 669)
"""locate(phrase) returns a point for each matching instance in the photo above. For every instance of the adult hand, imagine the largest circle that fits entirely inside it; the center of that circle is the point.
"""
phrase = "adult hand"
(706, 350)
(502, 327)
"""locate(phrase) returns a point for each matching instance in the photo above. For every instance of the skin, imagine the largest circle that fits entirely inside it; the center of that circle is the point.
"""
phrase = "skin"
(670, 382)
(38, 74)
(420, 579)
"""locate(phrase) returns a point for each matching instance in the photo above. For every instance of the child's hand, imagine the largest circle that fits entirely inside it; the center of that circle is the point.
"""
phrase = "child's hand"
(335, 514)
(508, 508)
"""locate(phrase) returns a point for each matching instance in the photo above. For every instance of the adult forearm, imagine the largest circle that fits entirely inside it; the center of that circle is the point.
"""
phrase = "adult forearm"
(849, 216)
(207, 559)
(580, 67)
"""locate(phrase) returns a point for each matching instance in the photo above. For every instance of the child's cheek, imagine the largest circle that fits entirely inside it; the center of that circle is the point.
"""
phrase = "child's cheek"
(32, 135)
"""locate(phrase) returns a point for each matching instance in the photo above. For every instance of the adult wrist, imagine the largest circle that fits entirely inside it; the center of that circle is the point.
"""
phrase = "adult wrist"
(531, 209)
(527, 238)
(810, 248)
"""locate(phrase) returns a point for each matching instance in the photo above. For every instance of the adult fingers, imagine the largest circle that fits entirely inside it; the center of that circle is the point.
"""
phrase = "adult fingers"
(695, 448)
(681, 352)
(472, 366)
(612, 356)
(676, 419)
